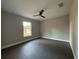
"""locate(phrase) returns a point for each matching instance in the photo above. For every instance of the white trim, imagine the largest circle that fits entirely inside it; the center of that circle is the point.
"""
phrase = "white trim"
(6, 46)
(72, 50)
(57, 39)
(13, 44)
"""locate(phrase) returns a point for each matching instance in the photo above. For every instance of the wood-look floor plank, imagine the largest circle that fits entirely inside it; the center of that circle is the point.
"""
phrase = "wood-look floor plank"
(39, 49)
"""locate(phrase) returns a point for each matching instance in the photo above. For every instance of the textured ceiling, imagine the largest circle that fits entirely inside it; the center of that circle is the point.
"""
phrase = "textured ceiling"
(28, 8)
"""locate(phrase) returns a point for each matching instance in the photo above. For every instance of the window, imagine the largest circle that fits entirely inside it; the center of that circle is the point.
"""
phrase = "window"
(27, 29)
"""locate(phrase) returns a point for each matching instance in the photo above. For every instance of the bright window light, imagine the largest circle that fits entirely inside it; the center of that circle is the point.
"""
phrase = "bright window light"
(27, 29)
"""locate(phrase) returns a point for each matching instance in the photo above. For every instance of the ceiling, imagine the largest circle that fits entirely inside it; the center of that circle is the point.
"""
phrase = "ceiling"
(28, 8)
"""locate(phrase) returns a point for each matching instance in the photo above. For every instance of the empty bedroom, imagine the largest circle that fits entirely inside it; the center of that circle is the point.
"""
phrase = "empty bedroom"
(39, 29)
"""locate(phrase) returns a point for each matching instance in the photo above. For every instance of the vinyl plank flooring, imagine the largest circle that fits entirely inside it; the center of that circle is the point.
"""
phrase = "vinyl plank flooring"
(39, 49)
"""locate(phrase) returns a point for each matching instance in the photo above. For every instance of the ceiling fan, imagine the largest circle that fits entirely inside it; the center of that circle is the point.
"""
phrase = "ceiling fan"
(40, 13)
(42, 10)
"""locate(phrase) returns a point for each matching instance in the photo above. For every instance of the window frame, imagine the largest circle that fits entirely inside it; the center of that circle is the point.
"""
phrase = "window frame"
(28, 28)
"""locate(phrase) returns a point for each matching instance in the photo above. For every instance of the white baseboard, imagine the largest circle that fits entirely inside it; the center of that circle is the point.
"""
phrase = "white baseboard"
(13, 44)
(6, 46)
(73, 51)
(57, 39)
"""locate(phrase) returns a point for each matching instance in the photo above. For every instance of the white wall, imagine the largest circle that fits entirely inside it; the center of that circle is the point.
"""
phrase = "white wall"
(74, 28)
(12, 30)
(57, 28)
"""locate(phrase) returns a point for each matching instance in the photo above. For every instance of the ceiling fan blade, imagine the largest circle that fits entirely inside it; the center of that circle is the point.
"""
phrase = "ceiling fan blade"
(42, 16)
(41, 12)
